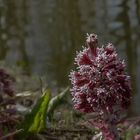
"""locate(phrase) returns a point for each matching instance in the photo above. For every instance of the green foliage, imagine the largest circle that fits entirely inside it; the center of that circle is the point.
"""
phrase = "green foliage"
(39, 121)
(35, 121)
(131, 133)
(55, 102)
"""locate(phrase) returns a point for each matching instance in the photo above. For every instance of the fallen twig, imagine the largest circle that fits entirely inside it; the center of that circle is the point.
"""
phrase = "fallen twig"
(11, 134)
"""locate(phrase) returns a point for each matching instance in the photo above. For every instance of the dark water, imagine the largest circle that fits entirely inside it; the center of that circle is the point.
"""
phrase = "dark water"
(41, 36)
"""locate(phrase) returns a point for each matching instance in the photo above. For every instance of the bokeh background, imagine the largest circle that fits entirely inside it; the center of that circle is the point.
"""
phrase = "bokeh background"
(41, 36)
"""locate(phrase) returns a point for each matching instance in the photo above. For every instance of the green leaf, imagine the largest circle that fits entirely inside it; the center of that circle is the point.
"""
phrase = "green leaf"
(55, 102)
(35, 121)
(39, 122)
(129, 135)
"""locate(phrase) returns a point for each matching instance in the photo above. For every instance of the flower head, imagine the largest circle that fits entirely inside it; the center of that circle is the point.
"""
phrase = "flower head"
(8, 111)
(100, 82)
(6, 82)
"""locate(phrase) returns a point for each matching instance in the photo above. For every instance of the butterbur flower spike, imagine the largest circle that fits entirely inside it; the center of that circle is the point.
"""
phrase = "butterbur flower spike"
(8, 113)
(101, 85)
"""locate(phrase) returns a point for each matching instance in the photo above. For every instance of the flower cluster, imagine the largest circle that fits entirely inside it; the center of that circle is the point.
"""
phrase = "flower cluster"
(6, 83)
(100, 83)
(7, 102)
